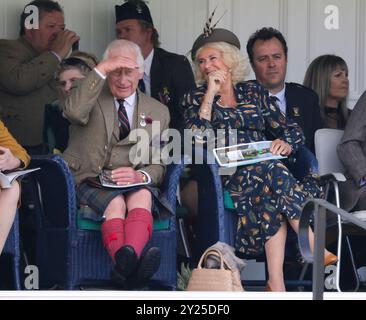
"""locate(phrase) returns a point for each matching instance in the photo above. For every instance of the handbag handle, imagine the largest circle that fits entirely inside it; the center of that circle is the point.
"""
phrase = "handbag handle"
(216, 253)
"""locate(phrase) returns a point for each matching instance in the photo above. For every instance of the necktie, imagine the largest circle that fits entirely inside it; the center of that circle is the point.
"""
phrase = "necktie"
(277, 102)
(275, 99)
(142, 86)
(124, 124)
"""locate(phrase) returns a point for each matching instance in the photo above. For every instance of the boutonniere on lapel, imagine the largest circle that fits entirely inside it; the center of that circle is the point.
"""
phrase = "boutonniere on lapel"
(144, 120)
(164, 96)
(296, 111)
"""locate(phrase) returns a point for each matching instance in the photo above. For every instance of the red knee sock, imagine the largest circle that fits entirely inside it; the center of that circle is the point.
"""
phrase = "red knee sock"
(113, 235)
(138, 228)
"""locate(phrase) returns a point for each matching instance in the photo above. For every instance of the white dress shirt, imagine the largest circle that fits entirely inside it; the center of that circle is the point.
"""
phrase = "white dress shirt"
(147, 70)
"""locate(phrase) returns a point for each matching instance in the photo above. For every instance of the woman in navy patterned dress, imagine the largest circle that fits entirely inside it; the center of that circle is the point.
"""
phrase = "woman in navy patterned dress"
(265, 194)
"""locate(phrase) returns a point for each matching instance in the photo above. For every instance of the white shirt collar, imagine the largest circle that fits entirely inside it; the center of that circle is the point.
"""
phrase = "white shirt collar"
(280, 95)
(131, 100)
(148, 63)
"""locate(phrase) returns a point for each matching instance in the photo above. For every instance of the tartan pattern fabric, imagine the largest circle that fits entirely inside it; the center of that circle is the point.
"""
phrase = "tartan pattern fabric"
(124, 124)
(98, 199)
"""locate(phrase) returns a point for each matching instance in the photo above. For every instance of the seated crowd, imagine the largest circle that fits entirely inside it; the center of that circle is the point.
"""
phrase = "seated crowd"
(95, 108)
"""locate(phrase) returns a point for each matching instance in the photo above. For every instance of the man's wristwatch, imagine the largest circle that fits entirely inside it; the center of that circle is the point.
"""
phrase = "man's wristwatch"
(144, 177)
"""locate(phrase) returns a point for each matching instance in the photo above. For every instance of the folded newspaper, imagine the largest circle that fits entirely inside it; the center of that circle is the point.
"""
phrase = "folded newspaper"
(106, 181)
(7, 177)
(244, 154)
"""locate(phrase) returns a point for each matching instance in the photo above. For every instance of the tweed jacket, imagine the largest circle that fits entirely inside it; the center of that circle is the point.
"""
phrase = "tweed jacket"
(93, 116)
(26, 85)
(352, 153)
(7, 141)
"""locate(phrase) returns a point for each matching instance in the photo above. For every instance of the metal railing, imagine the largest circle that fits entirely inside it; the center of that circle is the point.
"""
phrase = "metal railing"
(319, 207)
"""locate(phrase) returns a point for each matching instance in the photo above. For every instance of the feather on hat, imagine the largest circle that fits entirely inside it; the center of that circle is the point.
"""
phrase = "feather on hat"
(210, 34)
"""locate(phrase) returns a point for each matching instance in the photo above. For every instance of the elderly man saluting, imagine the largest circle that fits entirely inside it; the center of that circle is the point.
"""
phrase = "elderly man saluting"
(104, 109)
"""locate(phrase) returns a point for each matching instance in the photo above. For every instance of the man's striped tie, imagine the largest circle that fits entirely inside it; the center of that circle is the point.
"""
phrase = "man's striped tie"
(124, 124)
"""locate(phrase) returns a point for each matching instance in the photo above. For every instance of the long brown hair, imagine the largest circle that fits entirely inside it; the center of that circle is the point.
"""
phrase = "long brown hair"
(317, 77)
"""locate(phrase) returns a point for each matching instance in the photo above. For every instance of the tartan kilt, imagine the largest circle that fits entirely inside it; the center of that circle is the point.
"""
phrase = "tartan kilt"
(98, 199)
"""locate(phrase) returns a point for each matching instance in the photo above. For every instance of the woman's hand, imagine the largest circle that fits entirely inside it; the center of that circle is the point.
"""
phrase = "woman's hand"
(126, 176)
(7, 160)
(215, 79)
(280, 148)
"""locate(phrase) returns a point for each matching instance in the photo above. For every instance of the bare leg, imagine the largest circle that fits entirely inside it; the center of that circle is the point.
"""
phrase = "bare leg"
(8, 205)
(275, 253)
(139, 199)
(116, 208)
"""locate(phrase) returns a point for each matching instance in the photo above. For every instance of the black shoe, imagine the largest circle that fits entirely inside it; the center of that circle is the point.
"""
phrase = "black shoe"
(149, 264)
(117, 278)
(126, 261)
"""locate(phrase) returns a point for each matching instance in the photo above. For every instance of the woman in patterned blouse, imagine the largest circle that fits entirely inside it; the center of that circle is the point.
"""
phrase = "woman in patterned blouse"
(265, 194)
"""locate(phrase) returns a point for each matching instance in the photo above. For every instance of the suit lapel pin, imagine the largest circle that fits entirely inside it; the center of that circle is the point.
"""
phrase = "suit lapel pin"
(164, 96)
(142, 119)
(296, 111)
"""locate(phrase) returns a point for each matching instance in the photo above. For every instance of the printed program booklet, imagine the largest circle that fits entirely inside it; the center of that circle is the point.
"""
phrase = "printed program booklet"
(106, 181)
(7, 177)
(244, 154)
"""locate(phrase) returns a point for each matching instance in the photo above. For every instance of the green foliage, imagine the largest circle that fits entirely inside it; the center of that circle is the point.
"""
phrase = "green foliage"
(183, 277)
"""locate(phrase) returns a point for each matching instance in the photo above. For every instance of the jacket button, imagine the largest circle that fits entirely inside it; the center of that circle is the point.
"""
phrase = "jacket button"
(105, 147)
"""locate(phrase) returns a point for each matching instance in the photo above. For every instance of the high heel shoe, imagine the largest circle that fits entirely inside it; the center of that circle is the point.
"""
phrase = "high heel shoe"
(329, 259)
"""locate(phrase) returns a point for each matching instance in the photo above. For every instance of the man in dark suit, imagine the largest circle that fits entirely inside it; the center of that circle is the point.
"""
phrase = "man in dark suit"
(167, 76)
(267, 51)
